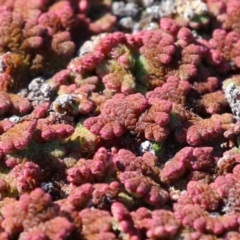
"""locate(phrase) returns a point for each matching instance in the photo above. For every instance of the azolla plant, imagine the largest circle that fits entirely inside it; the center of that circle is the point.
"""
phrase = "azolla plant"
(134, 136)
